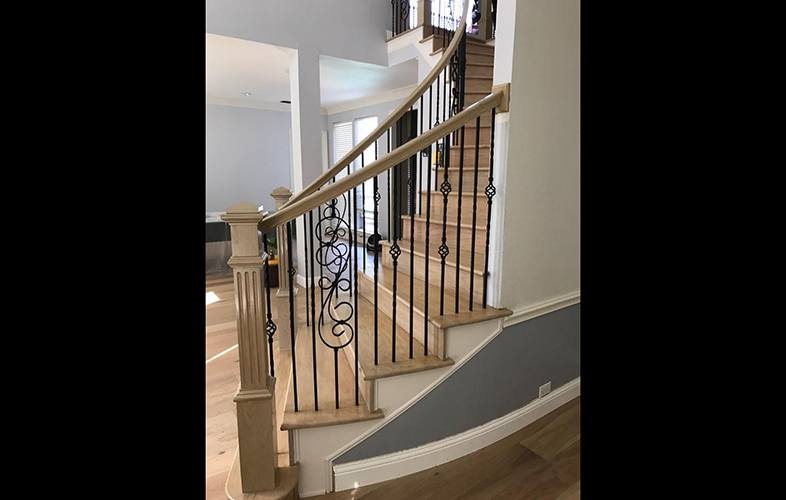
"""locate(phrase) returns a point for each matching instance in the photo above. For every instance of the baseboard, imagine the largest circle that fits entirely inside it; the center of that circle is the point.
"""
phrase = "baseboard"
(541, 308)
(376, 469)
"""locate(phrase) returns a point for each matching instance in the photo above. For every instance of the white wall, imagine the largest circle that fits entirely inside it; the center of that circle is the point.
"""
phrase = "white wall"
(247, 155)
(352, 29)
(540, 243)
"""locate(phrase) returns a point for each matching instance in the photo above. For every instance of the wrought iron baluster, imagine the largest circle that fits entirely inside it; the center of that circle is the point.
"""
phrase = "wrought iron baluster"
(357, 292)
(334, 234)
(411, 184)
(458, 216)
(428, 233)
(474, 214)
(310, 256)
(445, 188)
(270, 326)
(377, 197)
(305, 250)
(490, 192)
(291, 273)
(363, 212)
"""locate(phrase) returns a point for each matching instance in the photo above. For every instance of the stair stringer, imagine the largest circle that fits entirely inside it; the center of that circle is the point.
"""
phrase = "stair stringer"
(397, 394)
(314, 449)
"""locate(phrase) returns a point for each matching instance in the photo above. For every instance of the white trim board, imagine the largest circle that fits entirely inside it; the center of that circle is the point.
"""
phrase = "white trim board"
(518, 316)
(378, 98)
(382, 468)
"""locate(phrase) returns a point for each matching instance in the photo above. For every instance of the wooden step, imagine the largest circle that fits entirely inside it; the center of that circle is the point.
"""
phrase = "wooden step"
(473, 97)
(437, 324)
(478, 84)
(417, 259)
(327, 414)
(479, 69)
(467, 195)
(473, 45)
(435, 232)
(469, 155)
(385, 366)
(433, 251)
(472, 56)
(469, 174)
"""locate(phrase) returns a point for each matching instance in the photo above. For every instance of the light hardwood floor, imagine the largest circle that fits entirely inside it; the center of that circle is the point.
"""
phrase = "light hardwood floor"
(222, 378)
(541, 461)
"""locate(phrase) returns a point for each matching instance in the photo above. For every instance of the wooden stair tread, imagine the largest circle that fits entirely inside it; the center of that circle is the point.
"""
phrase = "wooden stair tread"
(419, 249)
(386, 367)
(450, 318)
(451, 222)
(328, 414)
(470, 40)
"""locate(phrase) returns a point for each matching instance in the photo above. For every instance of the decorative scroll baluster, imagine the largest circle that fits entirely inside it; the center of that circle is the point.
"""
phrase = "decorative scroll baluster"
(270, 326)
(474, 214)
(490, 192)
(310, 257)
(321, 270)
(291, 272)
(333, 254)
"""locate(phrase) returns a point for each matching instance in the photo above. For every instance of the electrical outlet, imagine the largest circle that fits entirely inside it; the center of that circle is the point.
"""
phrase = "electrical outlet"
(544, 389)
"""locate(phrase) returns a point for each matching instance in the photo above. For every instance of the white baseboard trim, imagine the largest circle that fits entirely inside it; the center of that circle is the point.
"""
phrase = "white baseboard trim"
(541, 308)
(376, 469)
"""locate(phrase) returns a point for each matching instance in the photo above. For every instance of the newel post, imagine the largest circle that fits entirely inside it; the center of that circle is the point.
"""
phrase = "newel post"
(424, 13)
(255, 399)
(282, 195)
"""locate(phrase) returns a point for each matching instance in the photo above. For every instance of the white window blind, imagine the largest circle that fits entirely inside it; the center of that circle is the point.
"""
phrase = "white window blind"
(342, 143)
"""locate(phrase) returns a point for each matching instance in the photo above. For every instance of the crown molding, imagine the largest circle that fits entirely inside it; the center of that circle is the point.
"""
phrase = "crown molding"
(242, 103)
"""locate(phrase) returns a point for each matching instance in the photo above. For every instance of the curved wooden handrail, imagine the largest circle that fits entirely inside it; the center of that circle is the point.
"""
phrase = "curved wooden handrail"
(401, 153)
(387, 122)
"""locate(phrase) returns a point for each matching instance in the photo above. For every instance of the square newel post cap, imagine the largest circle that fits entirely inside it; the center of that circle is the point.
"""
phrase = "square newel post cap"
(281, 195)
(243, 220)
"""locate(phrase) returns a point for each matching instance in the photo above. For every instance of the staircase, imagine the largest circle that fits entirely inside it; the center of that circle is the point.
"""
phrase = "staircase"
(370, 329)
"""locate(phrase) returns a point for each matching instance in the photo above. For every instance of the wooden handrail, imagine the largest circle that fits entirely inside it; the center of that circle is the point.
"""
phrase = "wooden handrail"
(295, 209)
(390, 120)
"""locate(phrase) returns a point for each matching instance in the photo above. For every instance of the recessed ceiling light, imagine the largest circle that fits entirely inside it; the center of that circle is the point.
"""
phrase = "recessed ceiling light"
(246, 93)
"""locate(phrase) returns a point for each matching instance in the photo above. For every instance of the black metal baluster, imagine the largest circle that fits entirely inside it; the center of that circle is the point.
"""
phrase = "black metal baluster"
(490, 192)
(363, 211)
(443, 248)
(348, 207)
(357, 292)
(395, 250)
(270, 326)
(428, 234)
(412, 251)
(321, 275)
(291, 273)
(377, 197)
(458, 216)
(390, 212)
(420, 165)
(474, 213)
(305, 250)
(313, 309)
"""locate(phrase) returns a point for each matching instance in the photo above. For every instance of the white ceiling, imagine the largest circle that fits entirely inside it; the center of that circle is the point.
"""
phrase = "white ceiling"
(234, 66)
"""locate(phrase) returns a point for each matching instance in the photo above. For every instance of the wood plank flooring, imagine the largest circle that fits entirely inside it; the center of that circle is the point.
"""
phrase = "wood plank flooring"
(541, 461)
(222, 378)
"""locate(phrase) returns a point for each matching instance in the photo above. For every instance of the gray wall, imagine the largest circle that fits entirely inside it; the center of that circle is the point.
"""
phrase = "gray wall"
(247, 155)
(501, 378)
